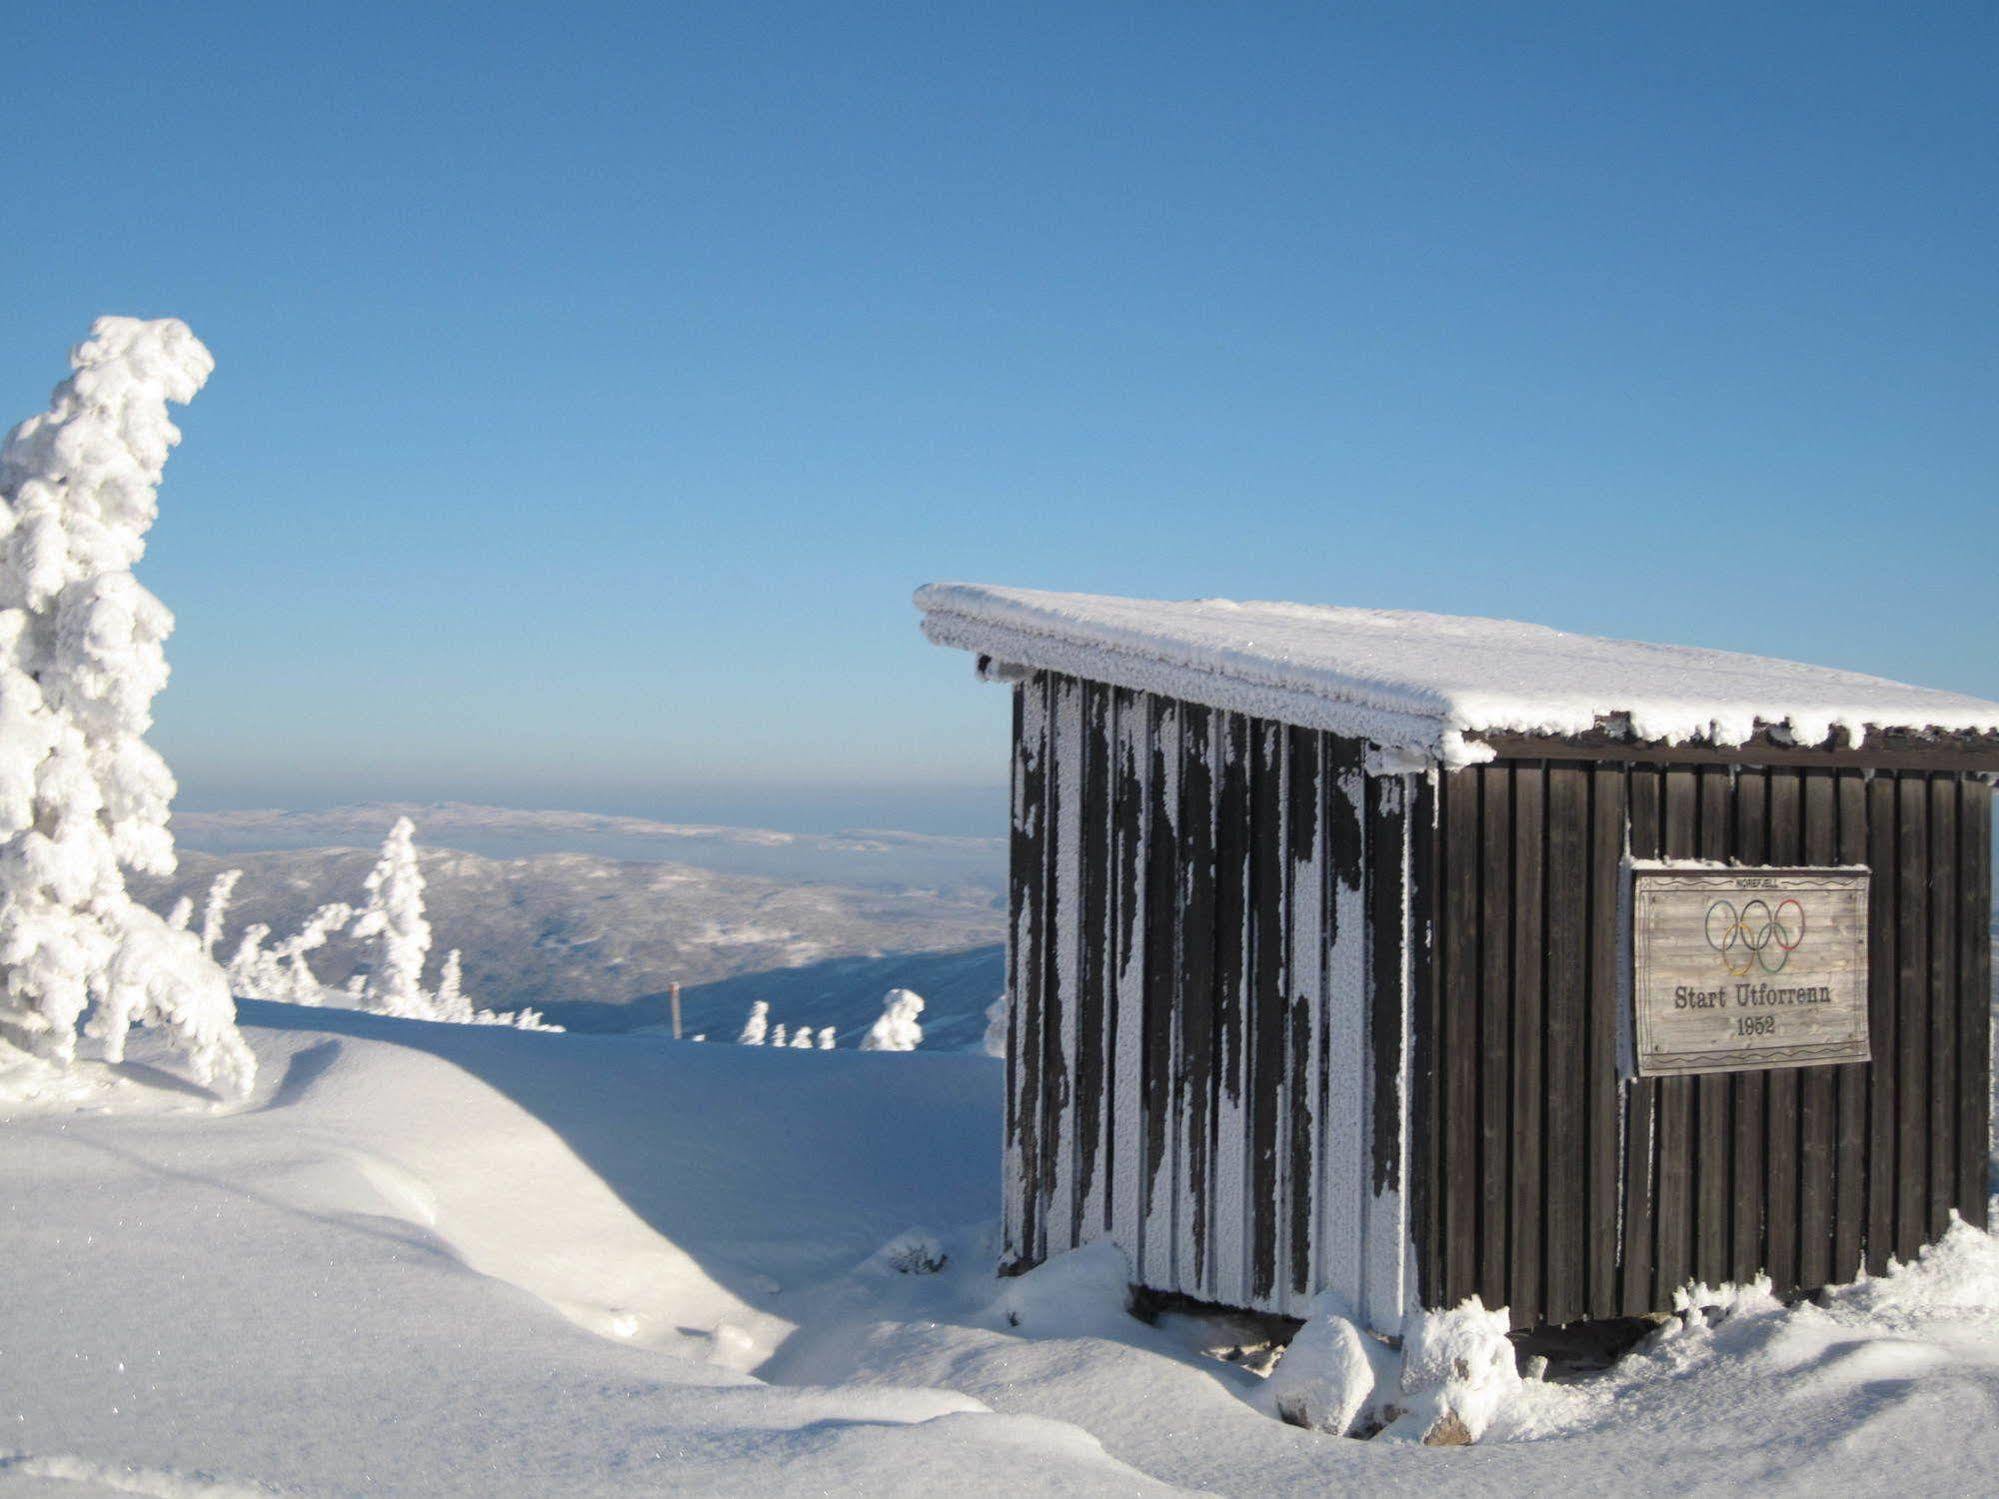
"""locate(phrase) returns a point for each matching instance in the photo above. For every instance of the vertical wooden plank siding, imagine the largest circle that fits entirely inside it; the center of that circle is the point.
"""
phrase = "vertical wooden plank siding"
(1395, 940)
(1849, 1225)
(1495, 1085)
(1912, 1013)
(1940, 894)
(1673, 1214)
(1714, 1178)
(1974, 984)
(1603, 1252)
(1817, 1086)
(1526, 1277)
(1641, 1115)
(1749, 1091)
(1567, 1087)
(1064, 884)
(1130, 793)
(1275, 1023)
(1305, 1022)
(1196, 1010)
(1267, 1077)
(1458, 980)
(1096, 975)
(1882, 998)
(1805, 1173)
(1231, 1150)
(1162, 976)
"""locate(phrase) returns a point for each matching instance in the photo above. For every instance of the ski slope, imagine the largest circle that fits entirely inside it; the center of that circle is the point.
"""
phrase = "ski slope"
(443, 1260)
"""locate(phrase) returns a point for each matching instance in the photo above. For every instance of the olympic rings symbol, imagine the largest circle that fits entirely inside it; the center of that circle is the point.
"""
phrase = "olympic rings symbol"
(1747, 938)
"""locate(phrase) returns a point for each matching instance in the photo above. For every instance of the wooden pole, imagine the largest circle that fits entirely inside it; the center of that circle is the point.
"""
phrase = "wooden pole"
(673, 993)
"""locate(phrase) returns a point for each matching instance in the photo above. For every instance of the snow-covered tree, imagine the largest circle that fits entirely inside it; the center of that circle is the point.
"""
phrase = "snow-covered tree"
(825, 1038)
(215, 910)
(897, 1029)
(253, 972)
(994, 1041)
(181, 914)
(393, 916)
(299, 986)
(451, 1003)
(756, 1026)
(801, 1039)
(777, 1035)
(83, 797)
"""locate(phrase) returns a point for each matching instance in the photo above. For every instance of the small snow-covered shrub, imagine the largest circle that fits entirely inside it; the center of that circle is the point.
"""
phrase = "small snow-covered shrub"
(826, 1038)
(779, 1036)
(83, 797)
(993, 1043)
(756, 1026)
(1078, 1293)
(897, 1029)
(1458, 1369)
(914, 1251)
(1333, 1377)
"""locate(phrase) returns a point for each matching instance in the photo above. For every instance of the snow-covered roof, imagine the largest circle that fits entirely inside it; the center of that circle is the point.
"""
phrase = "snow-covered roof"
(1429, 683)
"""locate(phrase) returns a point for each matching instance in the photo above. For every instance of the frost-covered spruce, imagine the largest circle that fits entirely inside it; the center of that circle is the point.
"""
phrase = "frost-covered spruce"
(299, 986)
(451, 1003)
(993, 1043)
(393, 917)
(801, 1039)
(826, 1038)
(778, 1037)
(83, 797)
(756, 1026)
(215, 910)
(897, 1029)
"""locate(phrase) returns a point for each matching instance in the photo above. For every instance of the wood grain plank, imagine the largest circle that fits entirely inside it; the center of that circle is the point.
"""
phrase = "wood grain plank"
(1426, 1028)
(1974, 982)
(1028, 863)
(1780, 1165)
(1714, 1114)
(1495, 1029)
(1849, 1217)
(1605, 1100)
(1567, 902)
(1343, 1187)
(1131, 771)
(1388, 868)
(1094, 976)
(1195, 1010)
(1305, 1122)
(1526, 1271)
(1912, 1013)
(1064, 895)
(1749, 1092)
(1817, 1086)
(1458, 980)
(1884, 1029)
(1267, 1090)
(1641, 1294)
(1940, 894)
(1673, 1207)
(1232, 1112)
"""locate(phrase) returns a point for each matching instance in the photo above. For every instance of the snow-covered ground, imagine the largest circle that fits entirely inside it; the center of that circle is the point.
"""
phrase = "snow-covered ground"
(446, 1260)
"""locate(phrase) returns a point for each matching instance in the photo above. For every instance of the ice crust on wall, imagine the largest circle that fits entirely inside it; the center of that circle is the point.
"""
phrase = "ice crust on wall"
(1427, 683)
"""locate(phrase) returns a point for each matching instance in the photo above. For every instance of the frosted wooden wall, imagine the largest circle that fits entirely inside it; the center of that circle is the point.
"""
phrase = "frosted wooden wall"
(1208, 1032)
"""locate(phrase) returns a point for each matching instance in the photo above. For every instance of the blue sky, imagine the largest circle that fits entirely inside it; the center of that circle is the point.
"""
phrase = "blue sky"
(597, 382)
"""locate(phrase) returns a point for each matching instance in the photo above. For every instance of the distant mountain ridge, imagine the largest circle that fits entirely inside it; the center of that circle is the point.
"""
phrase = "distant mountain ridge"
(821, 925)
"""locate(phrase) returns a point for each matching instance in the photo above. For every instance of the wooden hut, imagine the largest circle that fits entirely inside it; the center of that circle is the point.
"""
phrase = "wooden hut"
(1411, 957)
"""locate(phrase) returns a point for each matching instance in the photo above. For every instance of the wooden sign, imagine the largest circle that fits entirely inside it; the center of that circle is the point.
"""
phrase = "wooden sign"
(1735, 970)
